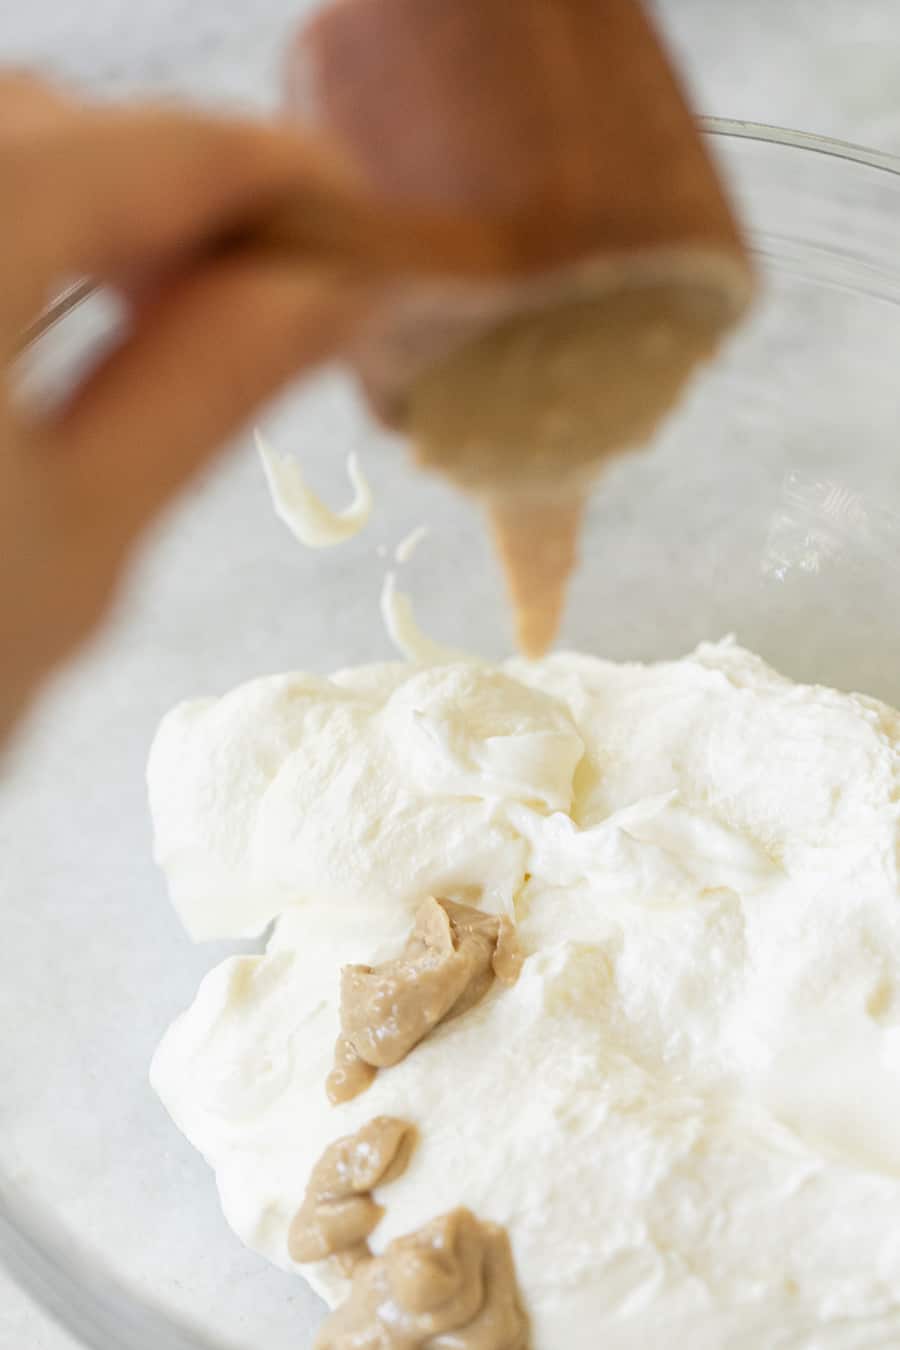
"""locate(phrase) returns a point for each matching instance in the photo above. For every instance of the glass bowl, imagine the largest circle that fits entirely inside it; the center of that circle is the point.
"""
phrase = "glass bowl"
(768, 508)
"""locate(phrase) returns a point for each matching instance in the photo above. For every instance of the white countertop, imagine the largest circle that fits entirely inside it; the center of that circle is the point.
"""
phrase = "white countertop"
(817, 65)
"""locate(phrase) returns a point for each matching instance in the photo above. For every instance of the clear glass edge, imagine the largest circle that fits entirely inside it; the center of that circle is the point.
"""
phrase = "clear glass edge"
(77, 1290)
(800, 140)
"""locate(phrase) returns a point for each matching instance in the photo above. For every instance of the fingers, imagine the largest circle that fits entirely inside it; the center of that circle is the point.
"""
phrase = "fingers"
(123, 193)
(99, 190)
(28, 104)
(202, 359)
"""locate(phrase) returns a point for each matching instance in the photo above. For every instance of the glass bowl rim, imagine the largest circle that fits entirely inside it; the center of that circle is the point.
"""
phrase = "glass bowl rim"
(791, 139)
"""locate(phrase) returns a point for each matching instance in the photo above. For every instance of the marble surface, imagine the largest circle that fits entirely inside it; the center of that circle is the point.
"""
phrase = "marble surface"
(820, 65)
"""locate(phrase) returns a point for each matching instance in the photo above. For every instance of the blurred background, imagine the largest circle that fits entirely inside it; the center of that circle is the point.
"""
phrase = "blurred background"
(828, 66)
(831, 66)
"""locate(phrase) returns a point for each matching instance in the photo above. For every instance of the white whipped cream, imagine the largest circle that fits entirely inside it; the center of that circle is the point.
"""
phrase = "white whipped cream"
(307, 517)
(403, 629)
(408, 545)
(685, 1113)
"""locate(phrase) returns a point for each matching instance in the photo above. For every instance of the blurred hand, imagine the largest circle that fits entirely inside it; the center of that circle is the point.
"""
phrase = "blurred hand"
(108, 193)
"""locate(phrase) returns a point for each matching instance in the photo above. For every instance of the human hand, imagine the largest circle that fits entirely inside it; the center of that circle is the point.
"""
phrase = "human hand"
(132, 192)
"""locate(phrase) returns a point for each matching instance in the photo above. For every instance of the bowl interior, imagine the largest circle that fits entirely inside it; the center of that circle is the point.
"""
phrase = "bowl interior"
(769, 507)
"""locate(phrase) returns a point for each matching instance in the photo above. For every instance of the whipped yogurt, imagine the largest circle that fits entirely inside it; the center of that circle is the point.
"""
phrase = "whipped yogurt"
(685, 1111)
